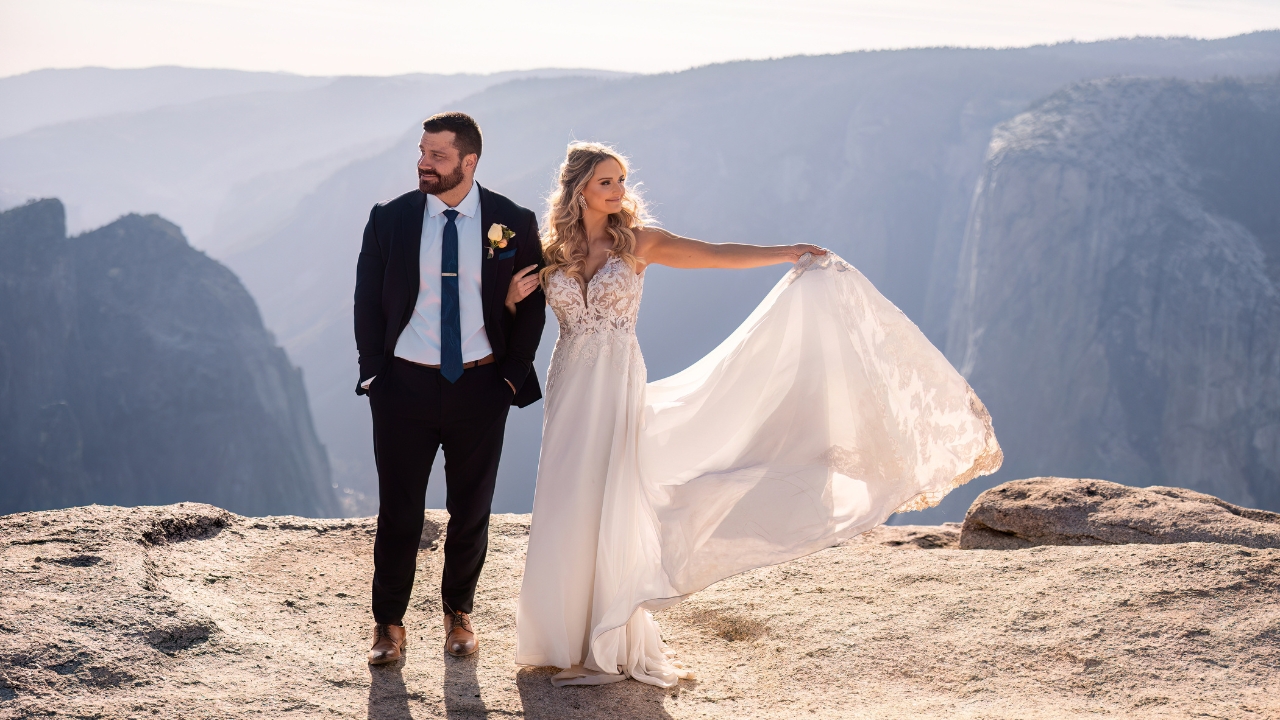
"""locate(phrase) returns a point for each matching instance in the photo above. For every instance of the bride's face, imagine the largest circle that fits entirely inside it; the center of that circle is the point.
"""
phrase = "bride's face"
(607, 186)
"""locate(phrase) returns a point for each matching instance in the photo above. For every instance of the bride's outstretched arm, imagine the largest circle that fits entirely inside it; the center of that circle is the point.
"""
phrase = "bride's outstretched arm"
(660, 247)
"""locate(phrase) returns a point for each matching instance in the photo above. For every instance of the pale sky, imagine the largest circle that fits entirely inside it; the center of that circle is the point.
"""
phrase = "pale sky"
(387, 37)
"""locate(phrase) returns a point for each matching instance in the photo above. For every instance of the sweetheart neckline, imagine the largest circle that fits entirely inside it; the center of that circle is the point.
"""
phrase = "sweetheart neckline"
(586, 290)
(600, 269)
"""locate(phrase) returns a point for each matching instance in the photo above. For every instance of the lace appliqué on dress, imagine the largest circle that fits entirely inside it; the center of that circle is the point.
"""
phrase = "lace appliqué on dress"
(603, 324)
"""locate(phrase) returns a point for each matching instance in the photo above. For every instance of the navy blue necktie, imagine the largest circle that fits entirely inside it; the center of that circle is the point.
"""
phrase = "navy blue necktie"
(450, 310)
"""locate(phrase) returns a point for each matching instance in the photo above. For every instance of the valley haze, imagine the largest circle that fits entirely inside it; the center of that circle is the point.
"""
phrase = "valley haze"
(929, 169)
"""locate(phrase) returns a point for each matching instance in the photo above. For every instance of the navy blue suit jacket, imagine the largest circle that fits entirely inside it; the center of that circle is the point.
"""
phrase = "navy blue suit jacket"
(388, 275)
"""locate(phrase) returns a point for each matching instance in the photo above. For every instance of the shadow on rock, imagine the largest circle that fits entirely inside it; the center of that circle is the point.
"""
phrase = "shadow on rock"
(185, 521)
(388, 697)
(176, 635)
(462, 688)
(627, 699)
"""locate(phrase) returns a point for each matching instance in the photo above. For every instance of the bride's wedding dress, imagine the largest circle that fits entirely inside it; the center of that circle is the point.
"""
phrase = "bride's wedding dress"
(824, 413)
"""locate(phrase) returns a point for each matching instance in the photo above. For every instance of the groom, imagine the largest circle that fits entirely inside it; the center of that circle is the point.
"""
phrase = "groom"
(442, 361)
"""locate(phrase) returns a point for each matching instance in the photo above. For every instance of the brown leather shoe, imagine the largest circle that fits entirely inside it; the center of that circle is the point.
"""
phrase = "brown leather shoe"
(389, 642)
(459, 636)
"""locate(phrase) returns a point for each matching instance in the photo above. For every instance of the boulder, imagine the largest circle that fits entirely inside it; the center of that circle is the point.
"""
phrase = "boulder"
(1066, 511)
(922, 537)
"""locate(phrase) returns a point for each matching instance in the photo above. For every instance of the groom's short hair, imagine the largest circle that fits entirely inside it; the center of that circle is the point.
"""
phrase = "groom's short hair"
(466, 133)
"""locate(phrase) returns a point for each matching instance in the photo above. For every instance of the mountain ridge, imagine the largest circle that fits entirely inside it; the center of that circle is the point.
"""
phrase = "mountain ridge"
(134, 369)
(875, 154)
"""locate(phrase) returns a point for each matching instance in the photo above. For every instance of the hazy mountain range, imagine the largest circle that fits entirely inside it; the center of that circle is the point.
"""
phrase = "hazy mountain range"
(52, 97)
(225, 162)
(874, 154)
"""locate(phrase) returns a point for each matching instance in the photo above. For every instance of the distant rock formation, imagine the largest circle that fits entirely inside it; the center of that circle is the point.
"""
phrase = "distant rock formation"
(135, 370)
(1119, 290)
(1064, 511)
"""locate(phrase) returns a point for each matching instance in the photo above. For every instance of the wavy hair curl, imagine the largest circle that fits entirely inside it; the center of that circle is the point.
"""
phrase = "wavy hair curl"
(564, 244)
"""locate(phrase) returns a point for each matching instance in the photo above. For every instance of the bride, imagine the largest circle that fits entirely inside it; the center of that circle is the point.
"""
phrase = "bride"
(824, 413)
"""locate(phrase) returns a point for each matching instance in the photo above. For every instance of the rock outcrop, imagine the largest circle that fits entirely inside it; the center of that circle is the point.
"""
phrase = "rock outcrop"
(923, 537)
(1062, 511)
(1119, 302)
(189, 611)
(136, 370)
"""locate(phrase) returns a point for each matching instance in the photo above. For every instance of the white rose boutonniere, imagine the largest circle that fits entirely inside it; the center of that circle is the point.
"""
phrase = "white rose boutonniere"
(499, 234)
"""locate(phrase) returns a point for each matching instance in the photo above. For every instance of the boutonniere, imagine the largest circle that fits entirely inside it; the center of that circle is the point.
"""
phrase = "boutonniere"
(499, 234)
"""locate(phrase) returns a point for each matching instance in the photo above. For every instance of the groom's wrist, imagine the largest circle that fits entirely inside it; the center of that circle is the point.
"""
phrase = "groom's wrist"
(514, 372)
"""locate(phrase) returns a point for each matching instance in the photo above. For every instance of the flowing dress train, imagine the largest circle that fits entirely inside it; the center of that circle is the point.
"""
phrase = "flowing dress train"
(824, 413)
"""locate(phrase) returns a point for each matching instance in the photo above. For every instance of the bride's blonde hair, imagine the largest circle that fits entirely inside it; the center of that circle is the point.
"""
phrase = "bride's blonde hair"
(564, 244)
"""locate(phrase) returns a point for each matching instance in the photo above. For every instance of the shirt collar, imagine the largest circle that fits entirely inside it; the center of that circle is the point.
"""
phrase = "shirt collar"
(470, 205)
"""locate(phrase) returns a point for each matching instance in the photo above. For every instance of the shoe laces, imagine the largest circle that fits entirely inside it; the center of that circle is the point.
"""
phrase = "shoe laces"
(382, 632)
(461, 620)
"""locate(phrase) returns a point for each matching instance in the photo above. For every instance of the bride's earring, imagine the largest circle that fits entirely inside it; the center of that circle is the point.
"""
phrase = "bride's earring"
(583, 202)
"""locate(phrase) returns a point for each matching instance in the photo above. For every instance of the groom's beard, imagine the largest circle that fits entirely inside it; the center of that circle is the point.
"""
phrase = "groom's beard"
(432, 183)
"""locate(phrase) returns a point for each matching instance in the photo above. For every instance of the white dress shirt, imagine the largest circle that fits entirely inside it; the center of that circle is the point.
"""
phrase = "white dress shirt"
(420, 340)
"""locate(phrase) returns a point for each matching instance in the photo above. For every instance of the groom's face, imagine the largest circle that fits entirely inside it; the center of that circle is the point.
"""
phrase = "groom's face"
(441, 167)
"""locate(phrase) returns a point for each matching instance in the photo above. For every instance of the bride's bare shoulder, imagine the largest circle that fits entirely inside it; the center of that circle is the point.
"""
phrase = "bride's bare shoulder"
(647, 237)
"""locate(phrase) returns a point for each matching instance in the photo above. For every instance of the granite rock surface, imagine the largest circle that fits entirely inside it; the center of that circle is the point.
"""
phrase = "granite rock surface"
(1067, 511)
(190, 611)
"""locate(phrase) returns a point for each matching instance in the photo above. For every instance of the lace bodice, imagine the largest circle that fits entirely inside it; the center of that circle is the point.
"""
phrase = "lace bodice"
(612, 302)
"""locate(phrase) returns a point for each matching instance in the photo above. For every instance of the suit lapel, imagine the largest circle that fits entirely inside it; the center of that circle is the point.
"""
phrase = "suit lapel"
(409, 237)
(488, 266)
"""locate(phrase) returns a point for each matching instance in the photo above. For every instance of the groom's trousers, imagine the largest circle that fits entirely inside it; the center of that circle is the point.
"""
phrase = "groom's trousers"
(415, 413)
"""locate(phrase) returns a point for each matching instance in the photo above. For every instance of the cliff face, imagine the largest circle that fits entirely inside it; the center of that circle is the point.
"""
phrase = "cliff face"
(135, 370)
(1117, 306)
